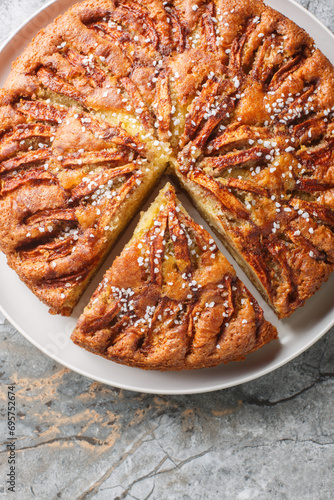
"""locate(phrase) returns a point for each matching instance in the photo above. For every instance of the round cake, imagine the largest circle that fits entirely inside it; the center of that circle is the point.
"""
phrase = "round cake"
(230, 97)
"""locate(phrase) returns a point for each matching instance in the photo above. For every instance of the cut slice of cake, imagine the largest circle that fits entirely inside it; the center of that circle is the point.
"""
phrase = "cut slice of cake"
(171, 301)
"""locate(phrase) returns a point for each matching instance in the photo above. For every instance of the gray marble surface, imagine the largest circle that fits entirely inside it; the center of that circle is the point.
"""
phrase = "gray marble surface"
(77, 439)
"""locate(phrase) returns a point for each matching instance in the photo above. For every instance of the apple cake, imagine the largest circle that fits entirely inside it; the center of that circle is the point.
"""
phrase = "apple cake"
(171, 301)
(230, 96)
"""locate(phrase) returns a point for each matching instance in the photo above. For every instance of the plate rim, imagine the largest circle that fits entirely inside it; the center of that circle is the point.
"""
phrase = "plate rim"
(123, 386)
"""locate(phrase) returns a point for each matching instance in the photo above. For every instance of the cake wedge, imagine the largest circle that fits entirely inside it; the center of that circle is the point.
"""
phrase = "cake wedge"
(171, 300)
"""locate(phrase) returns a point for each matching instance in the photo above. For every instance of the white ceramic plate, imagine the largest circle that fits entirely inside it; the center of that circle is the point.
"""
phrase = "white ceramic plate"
(51, 334)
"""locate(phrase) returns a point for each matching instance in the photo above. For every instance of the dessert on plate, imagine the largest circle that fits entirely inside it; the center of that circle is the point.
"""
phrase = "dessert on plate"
(229, 96)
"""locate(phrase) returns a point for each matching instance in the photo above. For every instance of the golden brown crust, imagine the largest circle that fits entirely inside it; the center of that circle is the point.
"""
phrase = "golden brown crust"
(171, 301)
(234, 88)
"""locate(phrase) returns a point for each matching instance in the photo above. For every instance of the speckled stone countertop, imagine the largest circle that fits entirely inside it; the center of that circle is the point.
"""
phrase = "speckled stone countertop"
(77, 439)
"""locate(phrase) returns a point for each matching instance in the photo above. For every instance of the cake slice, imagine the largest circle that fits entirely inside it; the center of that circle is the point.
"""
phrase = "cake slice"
(171, 301)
